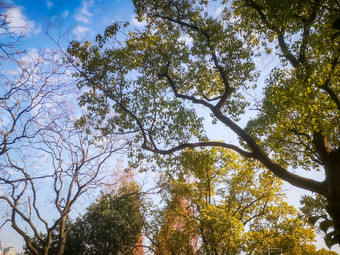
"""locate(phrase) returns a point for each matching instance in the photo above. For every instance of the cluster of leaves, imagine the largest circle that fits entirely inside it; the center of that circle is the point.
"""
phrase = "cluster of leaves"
(111, 225)
(219, 203)
(317, 210)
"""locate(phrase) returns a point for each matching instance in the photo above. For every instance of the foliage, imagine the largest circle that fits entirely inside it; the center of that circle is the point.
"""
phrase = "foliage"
(54, 246)
(156, 81)
(231, 206)
(174, 234)
(111, 225)
(320, 214)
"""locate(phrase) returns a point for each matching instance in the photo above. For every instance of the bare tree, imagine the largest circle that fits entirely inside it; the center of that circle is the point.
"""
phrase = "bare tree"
(27, 88)
(9, 34)
(46, 162)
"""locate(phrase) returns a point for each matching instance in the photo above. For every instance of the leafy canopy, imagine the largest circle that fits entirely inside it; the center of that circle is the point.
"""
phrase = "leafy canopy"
(153, 82)
(231, 205)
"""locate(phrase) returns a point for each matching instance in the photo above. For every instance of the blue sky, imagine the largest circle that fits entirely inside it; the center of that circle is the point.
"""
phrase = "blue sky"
(79, 20)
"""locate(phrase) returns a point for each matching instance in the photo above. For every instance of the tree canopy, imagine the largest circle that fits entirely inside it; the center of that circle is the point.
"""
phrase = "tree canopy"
(110, 225)
(228, 206)
(156, 79)
(113, 224)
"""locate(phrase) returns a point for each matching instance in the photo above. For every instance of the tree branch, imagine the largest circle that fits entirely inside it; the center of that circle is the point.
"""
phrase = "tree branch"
(326, 87)
(199, 144)
(280, 33)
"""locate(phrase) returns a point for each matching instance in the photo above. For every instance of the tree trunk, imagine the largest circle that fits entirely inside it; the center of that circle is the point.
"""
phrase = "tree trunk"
(62, 237)
(333, 181)
(45, 250)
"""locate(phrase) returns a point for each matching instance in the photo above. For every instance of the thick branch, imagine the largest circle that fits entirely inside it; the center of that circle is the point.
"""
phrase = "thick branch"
(285, 50)
(257, 152)
(332, 94)
(280, 33)
(227, 89)
(326, 87)
(186, 97)
(200, 144)
(306, 31)
(322, 147)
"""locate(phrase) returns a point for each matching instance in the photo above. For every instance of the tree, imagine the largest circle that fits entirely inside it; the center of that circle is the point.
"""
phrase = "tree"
(52, 171)
(174, 234)
(111, 225)
(22, 92)
(156, 82)
(54, 245)
(46, 162)
(232, 207)
(10, 35)
(114, 223)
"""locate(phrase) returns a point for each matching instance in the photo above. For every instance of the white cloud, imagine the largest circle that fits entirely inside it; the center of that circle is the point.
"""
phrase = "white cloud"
(49, 4)
(136, 23)
(83, 14)
(19, 23)
(186, 39)
(80, 32)
(64, 14)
